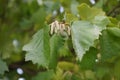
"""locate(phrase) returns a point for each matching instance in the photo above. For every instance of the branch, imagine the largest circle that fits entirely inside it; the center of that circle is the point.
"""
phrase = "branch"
(26, 69)
(112, 10)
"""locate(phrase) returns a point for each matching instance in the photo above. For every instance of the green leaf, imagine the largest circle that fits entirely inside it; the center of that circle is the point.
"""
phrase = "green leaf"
(65, 3)
(84, 34)
(68, 66)
(115, 31)
(100, 3)
(44, 75)
(113, 22)
(56, 42)
(3, 67)
(38, 50)
(37, 18)
(87, 13)
(70, 18)
(109, 43)
(89, 75)
(101, 71)
(74, 7)
(76, 77)
(64, 50)
(100, 21)
(88, 61)
(117, 70)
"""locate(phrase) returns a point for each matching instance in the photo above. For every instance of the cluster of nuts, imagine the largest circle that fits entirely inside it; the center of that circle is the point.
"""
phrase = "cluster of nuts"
(59, 27)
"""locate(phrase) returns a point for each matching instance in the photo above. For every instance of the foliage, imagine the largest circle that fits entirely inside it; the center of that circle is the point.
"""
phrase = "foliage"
(3, 67)
(39, 44)
(90, 52)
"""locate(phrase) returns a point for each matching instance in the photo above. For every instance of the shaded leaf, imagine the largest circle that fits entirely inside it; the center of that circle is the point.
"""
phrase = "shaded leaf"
(56, 42)
(89, 75)
(76, 77)
(38, 50)
(115, 31)
(117, 70)
(37, 18)
(64, 50)
(88, 60)
(110, 44)
(44, 75)
(102, 71)
(3, 67)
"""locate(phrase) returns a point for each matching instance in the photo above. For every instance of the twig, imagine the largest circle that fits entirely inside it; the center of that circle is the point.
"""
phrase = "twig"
(112, 10)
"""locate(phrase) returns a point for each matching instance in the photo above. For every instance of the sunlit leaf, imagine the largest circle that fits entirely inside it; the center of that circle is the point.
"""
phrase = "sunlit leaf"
(68, 66)
(83, 35)
(87, 13)
(113, 22)
(101, 22)
(65, 3)
(70, 18)
(74, 7)
(38, 50)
